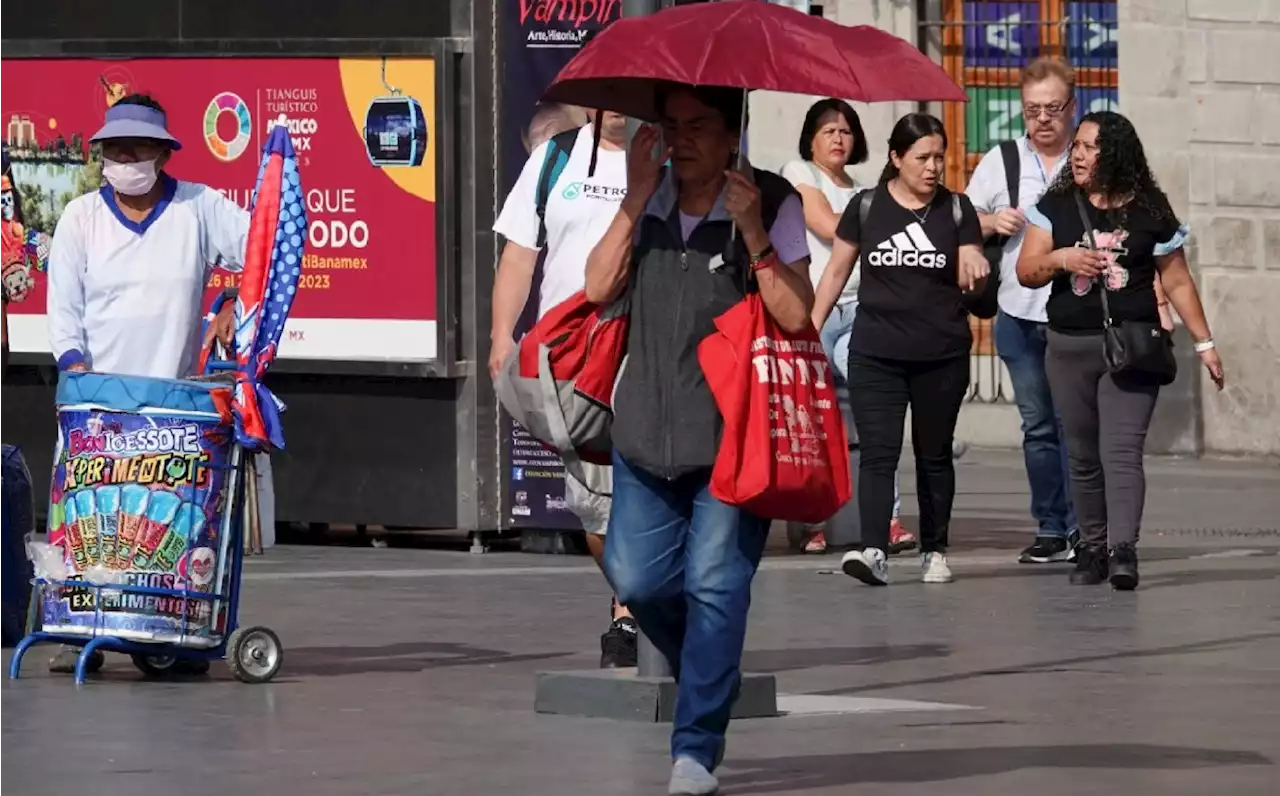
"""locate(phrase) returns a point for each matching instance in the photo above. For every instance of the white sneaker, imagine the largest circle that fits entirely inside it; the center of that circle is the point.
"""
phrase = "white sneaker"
(933, 567)
(869, 566)
(690, 778)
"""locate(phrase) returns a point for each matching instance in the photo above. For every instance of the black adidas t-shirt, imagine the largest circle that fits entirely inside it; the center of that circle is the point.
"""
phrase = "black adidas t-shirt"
(909, 298)
(1128, 238)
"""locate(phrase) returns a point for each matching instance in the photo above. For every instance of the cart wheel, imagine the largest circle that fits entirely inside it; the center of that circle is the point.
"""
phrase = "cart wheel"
(157, 666)
(254, 654)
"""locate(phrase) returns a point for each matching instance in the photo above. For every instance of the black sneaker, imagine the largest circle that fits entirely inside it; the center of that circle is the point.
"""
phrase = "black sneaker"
(1091, 566)
(1124, 568)
(1046, 550)
(618, 644)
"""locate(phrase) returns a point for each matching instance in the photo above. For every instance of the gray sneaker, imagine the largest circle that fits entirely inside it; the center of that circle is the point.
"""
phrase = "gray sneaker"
(64, 662)
(691, 778)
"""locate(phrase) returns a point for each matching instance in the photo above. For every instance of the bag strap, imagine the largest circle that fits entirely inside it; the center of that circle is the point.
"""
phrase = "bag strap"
(1012, 169)
(1093, 246)
(559, 148)
(957, 211)
(554, 413)
(864, 207)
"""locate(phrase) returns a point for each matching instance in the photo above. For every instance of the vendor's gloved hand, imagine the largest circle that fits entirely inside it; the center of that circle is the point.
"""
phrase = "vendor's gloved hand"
(223, 328)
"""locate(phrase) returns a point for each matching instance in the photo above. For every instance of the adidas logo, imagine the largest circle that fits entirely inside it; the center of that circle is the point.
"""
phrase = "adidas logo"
(911, 247)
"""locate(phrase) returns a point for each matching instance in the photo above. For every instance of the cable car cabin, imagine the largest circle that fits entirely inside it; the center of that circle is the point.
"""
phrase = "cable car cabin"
(395, 131)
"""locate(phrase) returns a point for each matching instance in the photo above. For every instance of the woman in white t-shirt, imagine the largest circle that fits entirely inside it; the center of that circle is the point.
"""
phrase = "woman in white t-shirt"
(831, 140)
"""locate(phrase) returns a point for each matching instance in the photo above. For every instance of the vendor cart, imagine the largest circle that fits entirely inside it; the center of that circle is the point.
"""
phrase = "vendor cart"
(151, 497)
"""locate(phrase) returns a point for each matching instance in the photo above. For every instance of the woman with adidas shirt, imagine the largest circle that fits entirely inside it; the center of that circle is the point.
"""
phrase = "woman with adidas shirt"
(921, 245)
(831, 140)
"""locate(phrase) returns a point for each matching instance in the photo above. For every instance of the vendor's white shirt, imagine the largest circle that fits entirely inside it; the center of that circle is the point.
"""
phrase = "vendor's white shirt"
(579, 211)
(800, 172)
(128, 296)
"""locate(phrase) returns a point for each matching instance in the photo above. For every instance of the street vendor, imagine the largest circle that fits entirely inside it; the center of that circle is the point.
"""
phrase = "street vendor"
(129, 264)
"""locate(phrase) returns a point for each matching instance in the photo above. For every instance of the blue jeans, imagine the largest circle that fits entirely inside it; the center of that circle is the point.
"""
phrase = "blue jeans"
(682, 562)
(1021, 344)
(835, 342)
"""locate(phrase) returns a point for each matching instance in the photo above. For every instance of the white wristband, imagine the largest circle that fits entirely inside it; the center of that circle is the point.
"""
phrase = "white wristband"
(1205, 345)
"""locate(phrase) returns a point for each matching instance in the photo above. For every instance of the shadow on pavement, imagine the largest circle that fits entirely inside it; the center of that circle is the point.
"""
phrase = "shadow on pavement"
(403, 657)
(786, 660)
(1205, 576)
(1061, 664)
(798, 773)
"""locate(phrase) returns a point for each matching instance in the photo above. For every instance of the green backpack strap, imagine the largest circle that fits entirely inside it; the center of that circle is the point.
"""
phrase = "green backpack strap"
(559, 148)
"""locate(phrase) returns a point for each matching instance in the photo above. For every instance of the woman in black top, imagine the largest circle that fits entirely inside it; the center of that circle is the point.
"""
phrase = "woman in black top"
(920, 243)
(1106, 415)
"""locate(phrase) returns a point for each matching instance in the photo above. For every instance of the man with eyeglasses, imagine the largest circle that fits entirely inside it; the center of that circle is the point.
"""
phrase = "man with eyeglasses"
(1009, 179)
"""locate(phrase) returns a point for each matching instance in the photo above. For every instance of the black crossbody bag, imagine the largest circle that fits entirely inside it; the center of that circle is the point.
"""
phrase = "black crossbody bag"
(1137, 348)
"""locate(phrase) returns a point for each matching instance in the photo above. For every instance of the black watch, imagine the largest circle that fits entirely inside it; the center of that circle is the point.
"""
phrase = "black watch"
(757, 259)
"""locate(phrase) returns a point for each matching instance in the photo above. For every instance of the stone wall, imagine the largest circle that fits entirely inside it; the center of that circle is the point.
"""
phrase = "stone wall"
(776, 118)
(1201, 81)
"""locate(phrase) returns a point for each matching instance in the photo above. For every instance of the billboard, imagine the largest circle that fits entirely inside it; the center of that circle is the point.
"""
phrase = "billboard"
(364, 131)
(1002, 37)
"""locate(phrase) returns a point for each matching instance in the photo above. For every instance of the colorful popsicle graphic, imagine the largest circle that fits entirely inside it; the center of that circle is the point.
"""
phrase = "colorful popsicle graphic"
(75, 544)
(162, 508)
(185, 528)
(108, 498)
(133, 507)
(57, 526)
(87, 518)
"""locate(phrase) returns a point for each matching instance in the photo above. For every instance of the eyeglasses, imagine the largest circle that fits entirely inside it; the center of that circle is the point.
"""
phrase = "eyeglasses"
(1053, 110)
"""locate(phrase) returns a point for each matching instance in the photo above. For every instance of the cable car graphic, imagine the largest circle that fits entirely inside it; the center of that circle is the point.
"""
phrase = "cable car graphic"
(395, 130)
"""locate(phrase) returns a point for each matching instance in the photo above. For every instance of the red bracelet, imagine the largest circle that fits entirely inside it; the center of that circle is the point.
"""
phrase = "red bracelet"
(765, 259)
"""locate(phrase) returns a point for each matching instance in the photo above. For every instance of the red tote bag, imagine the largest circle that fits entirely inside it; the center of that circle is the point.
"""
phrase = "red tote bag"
(784, 453)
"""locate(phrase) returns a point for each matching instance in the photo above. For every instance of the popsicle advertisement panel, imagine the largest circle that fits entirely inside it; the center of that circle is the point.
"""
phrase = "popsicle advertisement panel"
(138, 499)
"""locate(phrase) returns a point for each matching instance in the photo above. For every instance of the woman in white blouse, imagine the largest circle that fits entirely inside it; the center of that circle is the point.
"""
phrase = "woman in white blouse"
(831, 140)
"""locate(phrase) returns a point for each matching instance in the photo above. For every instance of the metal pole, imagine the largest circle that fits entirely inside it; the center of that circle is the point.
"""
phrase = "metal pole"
(636, 8)
(652, 663)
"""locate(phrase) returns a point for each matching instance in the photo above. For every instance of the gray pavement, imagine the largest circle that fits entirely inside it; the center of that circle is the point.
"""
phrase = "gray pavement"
(410, 671)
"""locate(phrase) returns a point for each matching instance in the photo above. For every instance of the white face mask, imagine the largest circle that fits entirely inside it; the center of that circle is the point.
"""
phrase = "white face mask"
(130, 179)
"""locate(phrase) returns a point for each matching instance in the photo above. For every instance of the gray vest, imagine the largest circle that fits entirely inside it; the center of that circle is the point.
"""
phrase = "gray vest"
(665, 419)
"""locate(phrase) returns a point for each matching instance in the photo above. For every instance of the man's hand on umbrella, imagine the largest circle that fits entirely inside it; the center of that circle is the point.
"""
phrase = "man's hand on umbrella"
(644, 165)
(742, 202)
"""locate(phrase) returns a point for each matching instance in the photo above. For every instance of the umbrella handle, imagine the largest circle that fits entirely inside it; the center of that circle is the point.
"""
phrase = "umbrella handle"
(742, 164)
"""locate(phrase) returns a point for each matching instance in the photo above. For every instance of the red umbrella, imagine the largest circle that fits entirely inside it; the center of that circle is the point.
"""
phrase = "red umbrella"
(748, 45)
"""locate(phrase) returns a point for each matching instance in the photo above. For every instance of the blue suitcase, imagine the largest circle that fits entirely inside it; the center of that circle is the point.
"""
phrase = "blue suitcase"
(18, 524)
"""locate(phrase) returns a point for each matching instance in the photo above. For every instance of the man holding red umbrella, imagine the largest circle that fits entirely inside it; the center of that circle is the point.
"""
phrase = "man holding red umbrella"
(681, 559)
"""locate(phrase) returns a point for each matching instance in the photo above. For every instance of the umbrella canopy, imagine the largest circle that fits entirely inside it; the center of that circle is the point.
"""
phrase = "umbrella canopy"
(272, 264)
(749, 45)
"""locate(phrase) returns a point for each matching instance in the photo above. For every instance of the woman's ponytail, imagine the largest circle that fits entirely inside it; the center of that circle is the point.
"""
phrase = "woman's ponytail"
(890, 171)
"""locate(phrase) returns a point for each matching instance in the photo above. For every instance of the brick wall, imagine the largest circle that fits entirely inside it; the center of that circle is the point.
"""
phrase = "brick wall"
(1201, 80)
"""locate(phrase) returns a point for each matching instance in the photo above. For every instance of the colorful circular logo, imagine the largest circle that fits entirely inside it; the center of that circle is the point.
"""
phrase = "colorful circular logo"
(222, 149)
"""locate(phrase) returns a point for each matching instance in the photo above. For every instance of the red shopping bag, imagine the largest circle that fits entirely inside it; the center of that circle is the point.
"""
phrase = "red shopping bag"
(784, 454)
